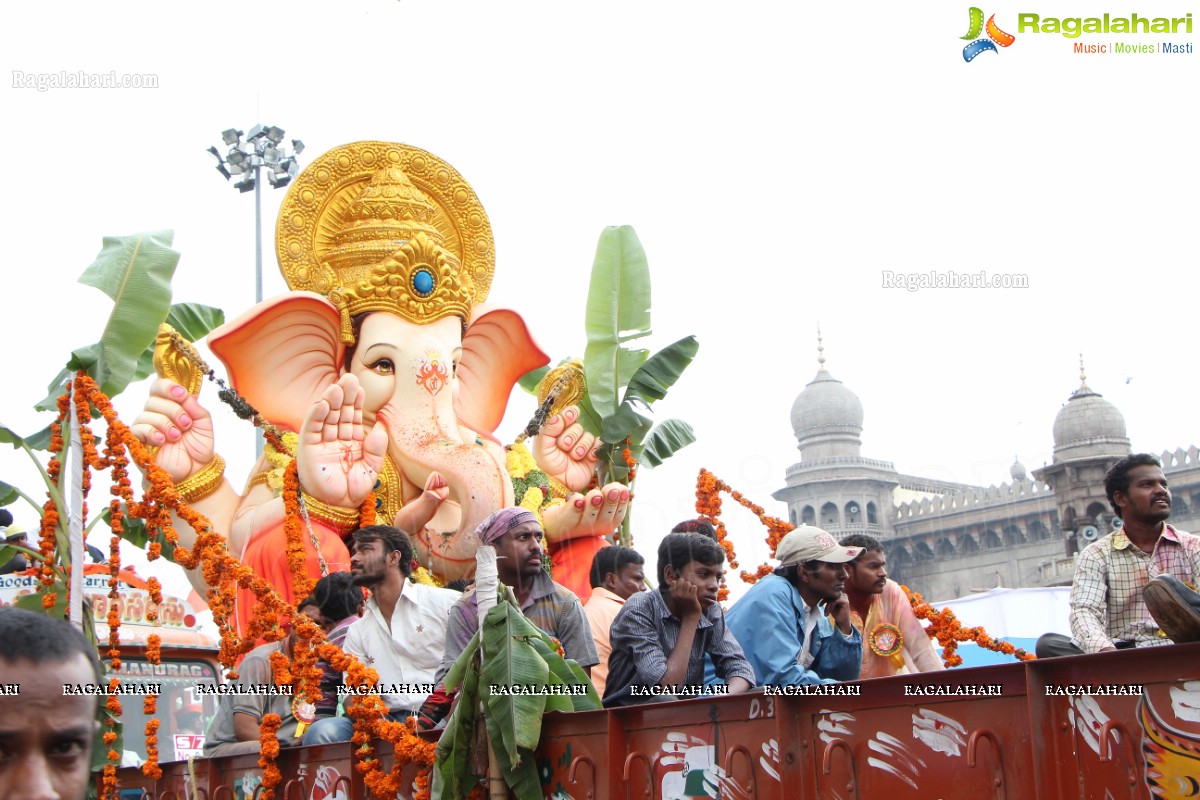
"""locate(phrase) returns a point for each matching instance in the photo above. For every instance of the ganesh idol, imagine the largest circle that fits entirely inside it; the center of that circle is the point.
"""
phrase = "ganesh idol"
(390, 375)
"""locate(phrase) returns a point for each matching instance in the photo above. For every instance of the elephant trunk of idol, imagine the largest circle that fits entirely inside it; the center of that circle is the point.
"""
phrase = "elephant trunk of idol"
(479, 485)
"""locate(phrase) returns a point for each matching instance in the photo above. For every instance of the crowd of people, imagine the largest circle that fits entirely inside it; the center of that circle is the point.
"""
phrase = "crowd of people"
(827, 614)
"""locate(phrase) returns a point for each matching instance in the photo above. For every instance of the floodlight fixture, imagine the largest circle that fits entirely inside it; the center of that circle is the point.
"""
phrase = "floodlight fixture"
(275, 134)
(246, 184)
(231, 136)
(256, 133)
(224, 171)
(297, 146)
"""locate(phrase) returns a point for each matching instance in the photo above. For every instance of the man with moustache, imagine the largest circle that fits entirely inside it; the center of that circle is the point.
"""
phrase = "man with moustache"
(402, 633)
(45, 737)
(894, 641)
(781, 622)
(1108, 610)
(516, 535)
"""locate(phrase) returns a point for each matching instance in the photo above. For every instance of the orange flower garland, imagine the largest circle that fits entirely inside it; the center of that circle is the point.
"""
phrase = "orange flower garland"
(269, 739)
(708, 506)
(945, 627)
(224, 572)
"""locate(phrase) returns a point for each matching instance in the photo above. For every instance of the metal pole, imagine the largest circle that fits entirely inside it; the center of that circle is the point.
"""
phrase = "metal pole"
(74, 487)
(258, 289)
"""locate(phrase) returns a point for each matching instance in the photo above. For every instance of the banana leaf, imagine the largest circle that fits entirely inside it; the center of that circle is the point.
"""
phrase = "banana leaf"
(8, 494)
(665, 440)
(193, 320)
(618, 311)
(626, 423)
(512, 661)
(568, 673)
(520, 774)
(453, 777)
(531, 379)
(135, 271)
(661, 370)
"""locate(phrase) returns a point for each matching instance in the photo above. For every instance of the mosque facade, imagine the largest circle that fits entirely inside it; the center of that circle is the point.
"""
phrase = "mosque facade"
(947, 539)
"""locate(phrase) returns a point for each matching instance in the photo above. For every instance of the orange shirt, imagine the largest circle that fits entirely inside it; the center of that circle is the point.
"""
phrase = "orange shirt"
(601, 609)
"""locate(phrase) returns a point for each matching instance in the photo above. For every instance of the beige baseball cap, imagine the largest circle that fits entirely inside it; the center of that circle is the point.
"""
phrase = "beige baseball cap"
(807, 543)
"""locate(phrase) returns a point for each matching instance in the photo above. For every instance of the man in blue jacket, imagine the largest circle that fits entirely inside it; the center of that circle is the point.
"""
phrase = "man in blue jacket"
(782, 623)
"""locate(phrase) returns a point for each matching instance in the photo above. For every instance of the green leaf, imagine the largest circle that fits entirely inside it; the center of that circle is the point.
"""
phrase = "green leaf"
(530, 380)
(668, 438)
(84, 358)
(618, 311)
(54, 389)
(462, 664)
(661, 370)
(521, 774)
(39, 440)
(7, 436)
(626, 423)
(512, 661)
(135, 271)
(8, 495)
(454, 746)
(193, 320)
(144, 366)
(33, 601)
(588, 418)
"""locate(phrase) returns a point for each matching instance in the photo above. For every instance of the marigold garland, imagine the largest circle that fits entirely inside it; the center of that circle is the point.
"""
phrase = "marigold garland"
(945, 627)
(225, 573)
(269, 739)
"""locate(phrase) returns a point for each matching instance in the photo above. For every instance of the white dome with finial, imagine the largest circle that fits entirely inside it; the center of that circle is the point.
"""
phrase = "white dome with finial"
(1017, 471)
(1088, 425)
(827, 417)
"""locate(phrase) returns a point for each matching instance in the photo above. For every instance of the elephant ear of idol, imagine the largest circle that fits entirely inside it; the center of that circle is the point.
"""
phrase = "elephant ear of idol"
(282, 354)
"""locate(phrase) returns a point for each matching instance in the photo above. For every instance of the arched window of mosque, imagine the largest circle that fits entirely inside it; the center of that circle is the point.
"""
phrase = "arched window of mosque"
(853, 513)
(899, 556)
(967, 544)
(945, 549)
(810, 516)
(872, 517)
(1178, 504)
(1013, 536)
(792, 515)
(1038, 531)
(1096, 511)
(991, 540)
(829, 516)
(923, 552)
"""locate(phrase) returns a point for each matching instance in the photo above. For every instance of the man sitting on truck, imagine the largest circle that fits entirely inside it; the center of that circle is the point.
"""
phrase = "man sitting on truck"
(235, 728)
(45, 737)
(659, 638)
(894, 641)
(1108, 610)
(402, 633)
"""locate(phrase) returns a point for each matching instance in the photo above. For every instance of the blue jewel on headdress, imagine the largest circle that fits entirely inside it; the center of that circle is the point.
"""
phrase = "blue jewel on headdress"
(422, 282)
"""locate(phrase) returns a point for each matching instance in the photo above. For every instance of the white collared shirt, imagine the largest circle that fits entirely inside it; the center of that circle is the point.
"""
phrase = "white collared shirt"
(408, 656)
(811, 615)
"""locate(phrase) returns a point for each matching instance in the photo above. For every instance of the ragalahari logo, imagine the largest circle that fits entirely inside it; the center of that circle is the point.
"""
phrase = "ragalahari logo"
(994, 37)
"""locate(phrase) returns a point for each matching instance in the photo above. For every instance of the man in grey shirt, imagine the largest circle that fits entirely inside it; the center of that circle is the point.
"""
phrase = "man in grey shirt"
(659, 638)
(235, 728)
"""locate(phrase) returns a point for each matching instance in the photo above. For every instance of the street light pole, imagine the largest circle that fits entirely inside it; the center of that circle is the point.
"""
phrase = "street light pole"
(262, 148)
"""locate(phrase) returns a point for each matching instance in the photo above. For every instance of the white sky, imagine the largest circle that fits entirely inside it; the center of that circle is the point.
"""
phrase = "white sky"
(774, 159)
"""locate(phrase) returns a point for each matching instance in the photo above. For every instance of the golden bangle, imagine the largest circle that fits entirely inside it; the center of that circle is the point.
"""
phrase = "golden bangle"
(262, 477)
(558, 489)
(337, 516)
(203, 483)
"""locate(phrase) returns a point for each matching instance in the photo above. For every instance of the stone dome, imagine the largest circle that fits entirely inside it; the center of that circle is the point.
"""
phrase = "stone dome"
(828, 413)
(1017, 471)
(1089, 426)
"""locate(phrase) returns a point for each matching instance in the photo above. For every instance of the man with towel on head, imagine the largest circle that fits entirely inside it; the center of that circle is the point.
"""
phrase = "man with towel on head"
(516, 535)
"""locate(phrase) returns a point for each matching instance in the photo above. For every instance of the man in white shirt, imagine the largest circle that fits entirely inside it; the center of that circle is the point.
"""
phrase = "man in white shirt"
(402, 633)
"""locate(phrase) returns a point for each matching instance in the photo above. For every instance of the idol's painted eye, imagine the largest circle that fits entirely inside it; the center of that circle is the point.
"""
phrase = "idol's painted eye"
(383, 366)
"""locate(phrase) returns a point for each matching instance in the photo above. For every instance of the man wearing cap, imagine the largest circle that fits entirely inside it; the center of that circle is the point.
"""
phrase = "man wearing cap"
(781, 622)
(516, 535)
